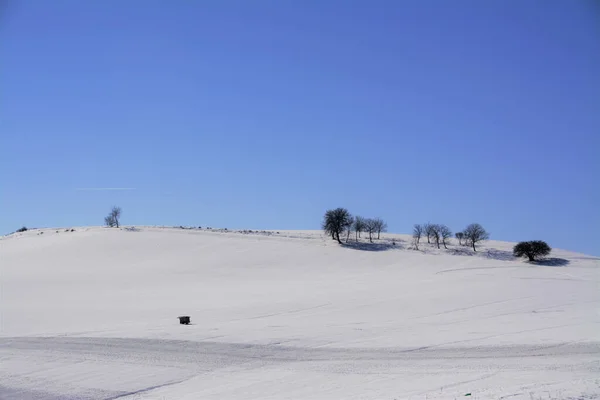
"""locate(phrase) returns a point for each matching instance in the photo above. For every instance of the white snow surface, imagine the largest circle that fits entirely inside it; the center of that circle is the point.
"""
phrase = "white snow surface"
(92, 314)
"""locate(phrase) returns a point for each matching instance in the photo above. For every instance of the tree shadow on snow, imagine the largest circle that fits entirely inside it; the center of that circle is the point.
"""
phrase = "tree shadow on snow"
(501, 255)
(461, 251)
(493, 254)
(552, 262)
(375, 246)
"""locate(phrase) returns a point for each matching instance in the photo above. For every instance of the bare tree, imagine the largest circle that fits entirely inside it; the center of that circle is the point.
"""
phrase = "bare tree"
(370, 228)
(328, 223)
(428, 230)
(445, 233)
(112, 219)
(417, 233)
(460, 236)
(359, 226)
(436, 233)
(474, 233)
(109, 221)
(380, 226)
(336, 221)
(349, 228)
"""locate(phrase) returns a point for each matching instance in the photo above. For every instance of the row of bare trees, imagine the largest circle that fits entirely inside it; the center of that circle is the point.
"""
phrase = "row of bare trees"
(439, 233)
(340, 221)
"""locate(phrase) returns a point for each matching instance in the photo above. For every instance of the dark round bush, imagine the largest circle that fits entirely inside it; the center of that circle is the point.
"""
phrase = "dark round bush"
(532, 249)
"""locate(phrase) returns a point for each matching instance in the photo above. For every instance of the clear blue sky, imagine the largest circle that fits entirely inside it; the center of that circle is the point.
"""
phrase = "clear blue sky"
(263, 114)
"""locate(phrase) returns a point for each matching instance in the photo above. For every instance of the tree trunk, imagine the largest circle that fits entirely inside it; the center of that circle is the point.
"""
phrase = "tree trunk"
(378, 233)
(338, 238)
(531, 258)
(474, 249)
(445, 245)
(370, 237)
(357, 236)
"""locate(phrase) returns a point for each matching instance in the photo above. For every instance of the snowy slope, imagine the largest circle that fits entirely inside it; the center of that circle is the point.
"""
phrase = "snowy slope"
(92, 314)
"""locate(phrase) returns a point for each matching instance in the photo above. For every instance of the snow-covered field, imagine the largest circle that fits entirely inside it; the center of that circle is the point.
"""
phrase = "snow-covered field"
(92, 314)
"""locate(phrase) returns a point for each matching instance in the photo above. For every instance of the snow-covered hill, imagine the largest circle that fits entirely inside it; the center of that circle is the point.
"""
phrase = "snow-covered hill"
(92, 314)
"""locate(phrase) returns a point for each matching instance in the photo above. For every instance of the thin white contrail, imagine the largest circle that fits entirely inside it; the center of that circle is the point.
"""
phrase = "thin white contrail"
(103, 189)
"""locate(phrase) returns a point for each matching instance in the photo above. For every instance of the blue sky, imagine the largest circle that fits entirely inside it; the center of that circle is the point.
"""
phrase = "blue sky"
(263, 114)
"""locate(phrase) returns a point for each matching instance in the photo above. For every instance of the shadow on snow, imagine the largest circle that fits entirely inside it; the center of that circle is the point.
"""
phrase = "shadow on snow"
(504, 255)
(551, 262)
(493, 254)
(375, 246)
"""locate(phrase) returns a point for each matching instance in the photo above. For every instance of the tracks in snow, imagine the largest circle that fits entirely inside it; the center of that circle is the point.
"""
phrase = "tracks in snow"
(66, 367)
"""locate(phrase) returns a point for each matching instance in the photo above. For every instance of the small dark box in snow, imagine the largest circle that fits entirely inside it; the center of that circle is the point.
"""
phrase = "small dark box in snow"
(184, 320)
